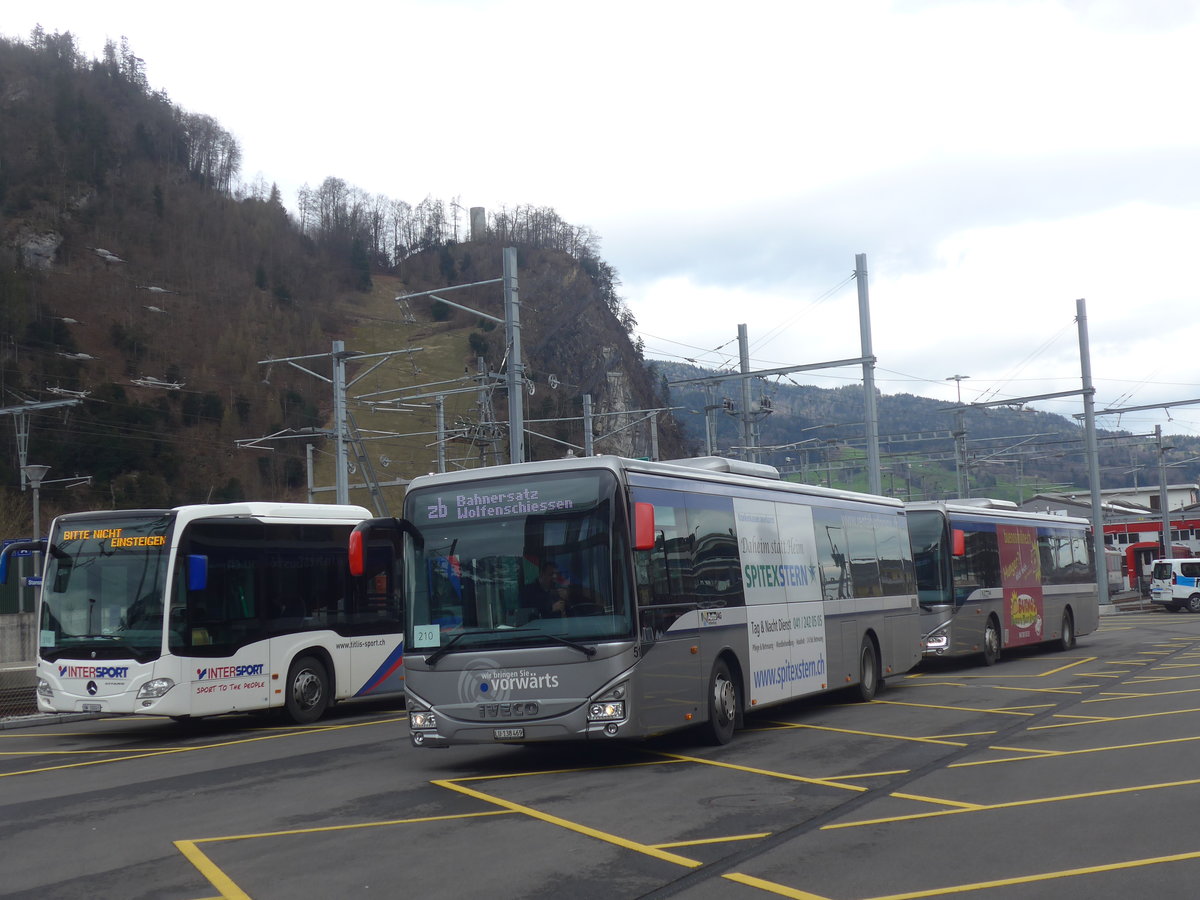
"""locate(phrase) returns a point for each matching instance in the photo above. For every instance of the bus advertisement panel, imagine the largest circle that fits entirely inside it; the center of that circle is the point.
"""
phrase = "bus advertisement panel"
(783, 599)
(1021, 578)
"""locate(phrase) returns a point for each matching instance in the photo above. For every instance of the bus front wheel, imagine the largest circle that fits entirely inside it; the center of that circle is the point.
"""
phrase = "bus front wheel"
(1193, 603)
(991, 642)
(307, 691)
(722, 703)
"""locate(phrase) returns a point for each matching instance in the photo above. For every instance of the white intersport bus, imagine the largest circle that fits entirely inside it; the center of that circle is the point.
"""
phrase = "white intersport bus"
(203, 610)
(601, 597)
(991, 576)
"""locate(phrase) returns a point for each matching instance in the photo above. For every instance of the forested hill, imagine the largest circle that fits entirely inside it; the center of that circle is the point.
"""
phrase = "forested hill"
(143, 285)
(1013, 453)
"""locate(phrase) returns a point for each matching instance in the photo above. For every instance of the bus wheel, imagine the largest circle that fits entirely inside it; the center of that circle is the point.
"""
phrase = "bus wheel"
(1067, 640)
(868, 671)
(307, 691)
(722, 703)
(1193, 603)
(991, 642)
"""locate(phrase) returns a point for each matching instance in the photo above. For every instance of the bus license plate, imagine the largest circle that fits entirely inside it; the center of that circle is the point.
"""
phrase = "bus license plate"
(508, 734)
(91, 707)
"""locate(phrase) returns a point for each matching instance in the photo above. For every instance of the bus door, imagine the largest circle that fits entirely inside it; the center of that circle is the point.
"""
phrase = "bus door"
(668, 685)
(376, 610)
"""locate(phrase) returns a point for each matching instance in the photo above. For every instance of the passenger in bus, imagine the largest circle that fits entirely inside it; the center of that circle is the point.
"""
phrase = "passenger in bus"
(544, 594)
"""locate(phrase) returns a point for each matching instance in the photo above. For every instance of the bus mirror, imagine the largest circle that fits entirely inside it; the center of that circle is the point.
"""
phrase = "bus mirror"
(643, 526)
(959, 541)
(197, 572)
(357, 557)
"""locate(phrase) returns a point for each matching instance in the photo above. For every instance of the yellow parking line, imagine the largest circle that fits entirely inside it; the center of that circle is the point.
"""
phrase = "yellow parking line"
(1042, 876)
(787, 776)
(1012, 804)
(1079, 662)
(617, 840)
(219, 744)
(218, 879)
(874, 734)
(1098, 720)
(999, 712)
(1043, 754)
(716, 840)
(937, 801)
(229, 889)
(771, 887)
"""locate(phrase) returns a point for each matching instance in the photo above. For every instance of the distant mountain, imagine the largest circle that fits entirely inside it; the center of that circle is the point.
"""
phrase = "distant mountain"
(1012, 453)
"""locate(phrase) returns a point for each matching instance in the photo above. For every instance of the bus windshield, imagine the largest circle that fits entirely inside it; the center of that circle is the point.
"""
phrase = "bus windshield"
(517, 562)
(103, 588)
(927, 533)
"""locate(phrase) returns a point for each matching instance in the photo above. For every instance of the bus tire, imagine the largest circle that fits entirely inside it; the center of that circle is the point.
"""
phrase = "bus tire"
(1193, 603)
(1066, 640)
(307, 695)
(868, 670)
(991, 642)
(722, 703)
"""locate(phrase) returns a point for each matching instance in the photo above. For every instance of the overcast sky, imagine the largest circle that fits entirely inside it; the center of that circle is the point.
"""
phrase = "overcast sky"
(995, 161)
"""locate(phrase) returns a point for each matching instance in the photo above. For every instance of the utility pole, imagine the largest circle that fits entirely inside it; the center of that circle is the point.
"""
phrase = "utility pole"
(748, 429)
(516, 366)
(1163, 503)
(1093, 452)
(870, 414)
(960, 438)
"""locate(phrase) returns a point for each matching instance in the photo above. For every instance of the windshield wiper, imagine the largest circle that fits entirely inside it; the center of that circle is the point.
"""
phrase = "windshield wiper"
(433, 657)
(587, 651)
(437, 654)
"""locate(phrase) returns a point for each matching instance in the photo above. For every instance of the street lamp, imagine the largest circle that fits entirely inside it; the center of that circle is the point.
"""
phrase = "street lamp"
(35, 474)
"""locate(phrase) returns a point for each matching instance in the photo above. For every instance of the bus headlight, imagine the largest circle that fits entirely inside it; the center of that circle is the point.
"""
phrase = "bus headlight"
(44, 689)
(609, 706)
(937, 640)
(606, 710)
(422, 719)
(154, 688)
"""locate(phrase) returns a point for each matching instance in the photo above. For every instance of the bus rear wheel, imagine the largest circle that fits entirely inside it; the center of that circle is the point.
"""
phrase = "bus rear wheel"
(307, 695)
(868, 671)
(1067, 640)
(991, 642)
(722, 703)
